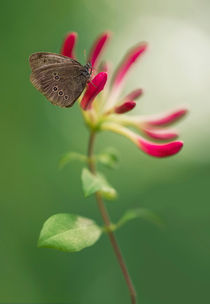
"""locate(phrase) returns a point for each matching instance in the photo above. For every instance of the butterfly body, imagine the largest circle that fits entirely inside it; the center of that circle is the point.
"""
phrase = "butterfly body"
(59, 78)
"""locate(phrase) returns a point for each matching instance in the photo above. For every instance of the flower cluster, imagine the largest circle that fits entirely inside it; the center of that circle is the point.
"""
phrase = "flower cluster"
(107, 110)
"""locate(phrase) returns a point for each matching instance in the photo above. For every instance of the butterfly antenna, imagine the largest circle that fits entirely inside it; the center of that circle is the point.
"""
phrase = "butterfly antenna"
(85, 55)
(92, 83)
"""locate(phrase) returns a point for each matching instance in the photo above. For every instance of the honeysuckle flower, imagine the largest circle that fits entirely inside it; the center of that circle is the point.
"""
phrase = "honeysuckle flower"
(105, 109)
(153, 149)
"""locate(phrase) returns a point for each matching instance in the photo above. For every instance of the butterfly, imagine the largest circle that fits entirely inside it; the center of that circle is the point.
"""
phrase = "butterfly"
(59, 78)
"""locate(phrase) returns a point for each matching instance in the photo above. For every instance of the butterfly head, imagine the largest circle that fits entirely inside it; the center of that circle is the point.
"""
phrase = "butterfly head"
(88, 69)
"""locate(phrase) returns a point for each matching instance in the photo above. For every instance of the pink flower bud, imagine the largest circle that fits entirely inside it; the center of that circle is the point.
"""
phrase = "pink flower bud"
(134, 94)
(160, 134)
(69, 45)
(128, 61)
(159, 150)
(125, 107)
(150, 148)
(122, 72)
(94, 88)
(98, 47)
(165, 119)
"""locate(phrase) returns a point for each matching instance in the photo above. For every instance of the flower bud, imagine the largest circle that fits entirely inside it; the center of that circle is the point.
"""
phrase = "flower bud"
(94, 88)
(125, 107)
(69, 45)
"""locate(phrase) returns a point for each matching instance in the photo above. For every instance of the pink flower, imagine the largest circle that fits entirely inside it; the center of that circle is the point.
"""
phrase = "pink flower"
(104, 109)
(119, 78)
(69, 44)
(150, 148)
(134, 94)
(159, 150)
(166, 118)
(98, 47)
(125, 107)
(160, 134)
(94, 88)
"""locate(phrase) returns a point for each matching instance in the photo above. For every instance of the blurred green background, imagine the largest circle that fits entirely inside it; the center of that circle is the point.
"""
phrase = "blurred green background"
(167, 266)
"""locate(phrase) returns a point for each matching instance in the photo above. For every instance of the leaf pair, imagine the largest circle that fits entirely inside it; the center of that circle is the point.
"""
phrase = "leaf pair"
(108, 158)
(71, 233)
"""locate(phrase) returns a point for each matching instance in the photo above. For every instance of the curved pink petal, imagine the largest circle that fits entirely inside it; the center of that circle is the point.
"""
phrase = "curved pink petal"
(98, 47)
(125, 107)
(160, 134)
(128, 61)
(119, 77)
(165, 119)
(69, 44)
(94, 88)
(159, 150)
(134, 94)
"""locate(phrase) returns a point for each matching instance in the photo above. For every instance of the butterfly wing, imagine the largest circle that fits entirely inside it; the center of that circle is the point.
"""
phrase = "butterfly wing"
(40, 59)
(61, 83)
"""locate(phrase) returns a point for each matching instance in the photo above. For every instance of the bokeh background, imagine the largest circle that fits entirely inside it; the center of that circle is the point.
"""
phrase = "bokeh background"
(167, 266)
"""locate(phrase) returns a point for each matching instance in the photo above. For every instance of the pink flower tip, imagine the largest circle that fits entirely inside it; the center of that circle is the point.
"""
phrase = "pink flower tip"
(159, 150)
(128, 61)
(69, 45)
(166, 119)
(160, 134)
(95, 86)
(125, 107)
(134, 94)
(98, 47)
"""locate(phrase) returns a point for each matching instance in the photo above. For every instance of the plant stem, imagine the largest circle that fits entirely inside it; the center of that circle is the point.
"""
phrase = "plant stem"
(107, 223)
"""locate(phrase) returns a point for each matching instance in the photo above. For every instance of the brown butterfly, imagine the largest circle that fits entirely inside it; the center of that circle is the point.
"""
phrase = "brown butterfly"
(59, 78)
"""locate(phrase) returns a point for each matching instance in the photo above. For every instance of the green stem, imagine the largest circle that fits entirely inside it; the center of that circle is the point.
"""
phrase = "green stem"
(107, 223)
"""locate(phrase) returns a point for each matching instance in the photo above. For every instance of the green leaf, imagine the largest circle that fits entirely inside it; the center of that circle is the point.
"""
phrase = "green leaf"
(108, 158)
(90, 182)
(68, 232)
(93, 183)
(71, 156)
(106, 190)
(140, 213)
